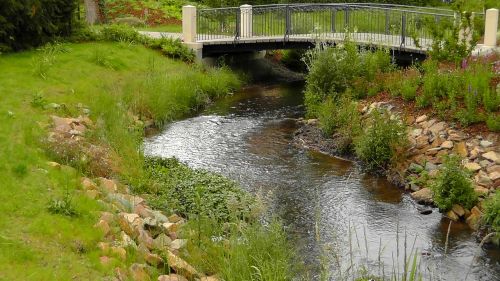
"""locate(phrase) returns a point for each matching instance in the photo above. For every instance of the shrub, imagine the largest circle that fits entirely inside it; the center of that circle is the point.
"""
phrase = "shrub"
(453, 185)
(492, 213)
(175, 49)
(120, 33)
(333, 70)
(27, 24)
(493, 122)
(341, 117)
(63, 206)
(382, 139)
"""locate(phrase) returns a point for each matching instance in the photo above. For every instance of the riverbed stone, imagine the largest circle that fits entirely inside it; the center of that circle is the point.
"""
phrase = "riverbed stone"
(181, 266)
(103, 226)
(481, 191)
(452, 216)
(494, 168)
(461, 149)
(119, 252)
(492, 156)
(474, 153)
(416, 132)
(177, 244)
(483, 179)
(421, 118)
(138, 272)
(437, 128)
(153, 259)
(494, 176)
(423, 196)
(447, 145)
(429, 166)
(172, 277)
(416, 168)
(422, 141)
(162, 242)
(485, 163)
(459, 210)
(486, 143)
(472, 166)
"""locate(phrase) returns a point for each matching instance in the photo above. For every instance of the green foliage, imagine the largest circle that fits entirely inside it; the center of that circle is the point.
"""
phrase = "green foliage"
(241, 251)
(492, 212)
(341, 117)
(63, 206)
(196, 192)
(175, 49)
(404, 83)
(493, 122)
(27, 24)
(447, 43)
(453, 185)
(167, 97)
(121, 32)
(333, 70)
(382, 141)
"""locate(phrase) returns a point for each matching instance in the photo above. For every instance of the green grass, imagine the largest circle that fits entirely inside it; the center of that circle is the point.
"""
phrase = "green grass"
(36, 244)
(162, 28)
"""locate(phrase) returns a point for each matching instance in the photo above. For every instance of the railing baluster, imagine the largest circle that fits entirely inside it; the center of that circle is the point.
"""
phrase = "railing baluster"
(403, 29)
(387, 21)
(238, 24)
(287, 22)
(334, 11)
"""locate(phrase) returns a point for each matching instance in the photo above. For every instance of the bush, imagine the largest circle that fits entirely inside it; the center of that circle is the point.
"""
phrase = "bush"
(341, 117)
(27, 24)
(332, 70)
(453, 185)
(175, 49)
(493, 122)
(381, 141)
(122, 33)
(196, 192)
(492, 213)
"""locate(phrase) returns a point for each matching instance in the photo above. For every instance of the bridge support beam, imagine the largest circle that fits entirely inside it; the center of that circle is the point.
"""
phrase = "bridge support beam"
(490, 28)
(189, 31)
(246, 29)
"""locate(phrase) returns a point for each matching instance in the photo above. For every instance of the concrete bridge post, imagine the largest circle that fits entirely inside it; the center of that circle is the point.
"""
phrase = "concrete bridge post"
(246, 15)
(490, 28)
(189, 30)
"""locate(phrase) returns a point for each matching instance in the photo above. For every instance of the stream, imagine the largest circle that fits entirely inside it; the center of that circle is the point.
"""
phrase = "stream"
(336, 214)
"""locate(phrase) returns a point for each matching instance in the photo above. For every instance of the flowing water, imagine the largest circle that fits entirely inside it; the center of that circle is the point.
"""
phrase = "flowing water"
(336, 214)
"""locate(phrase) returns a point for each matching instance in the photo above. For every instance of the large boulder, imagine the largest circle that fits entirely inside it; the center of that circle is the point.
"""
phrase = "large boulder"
(423, 196)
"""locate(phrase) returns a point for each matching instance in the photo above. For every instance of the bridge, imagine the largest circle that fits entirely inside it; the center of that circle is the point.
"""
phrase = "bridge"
(283, 26)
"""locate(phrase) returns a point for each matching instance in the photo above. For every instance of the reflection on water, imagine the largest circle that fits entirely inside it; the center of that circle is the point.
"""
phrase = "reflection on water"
(326, 202)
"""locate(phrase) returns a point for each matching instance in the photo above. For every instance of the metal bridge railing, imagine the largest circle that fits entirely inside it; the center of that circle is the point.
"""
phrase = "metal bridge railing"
(385, 24)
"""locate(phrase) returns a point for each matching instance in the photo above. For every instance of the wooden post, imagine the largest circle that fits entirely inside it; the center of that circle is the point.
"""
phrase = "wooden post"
(490, 28)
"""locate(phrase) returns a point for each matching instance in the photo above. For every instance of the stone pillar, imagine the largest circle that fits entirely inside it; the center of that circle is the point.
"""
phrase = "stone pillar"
(490, 28)
(246, 21)
(189, 24)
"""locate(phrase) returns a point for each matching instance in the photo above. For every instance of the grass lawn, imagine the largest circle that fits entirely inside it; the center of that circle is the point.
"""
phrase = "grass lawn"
(107, 78)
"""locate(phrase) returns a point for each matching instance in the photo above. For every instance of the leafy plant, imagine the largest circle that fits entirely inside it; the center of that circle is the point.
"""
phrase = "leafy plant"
(63, 206)
(453, 185)
(493, 122)
(492, 213)
(381, 140)
(179, 186)
(332, 70)
(340, 117)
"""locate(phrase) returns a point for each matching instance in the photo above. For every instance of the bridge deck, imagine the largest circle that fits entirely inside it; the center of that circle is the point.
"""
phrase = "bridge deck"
(384, 40)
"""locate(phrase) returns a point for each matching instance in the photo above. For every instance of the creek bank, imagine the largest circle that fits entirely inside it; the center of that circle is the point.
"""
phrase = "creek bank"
(430, 140)
(132, 231)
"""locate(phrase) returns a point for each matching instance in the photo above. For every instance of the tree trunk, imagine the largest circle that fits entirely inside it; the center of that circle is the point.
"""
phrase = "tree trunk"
(91, 11)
